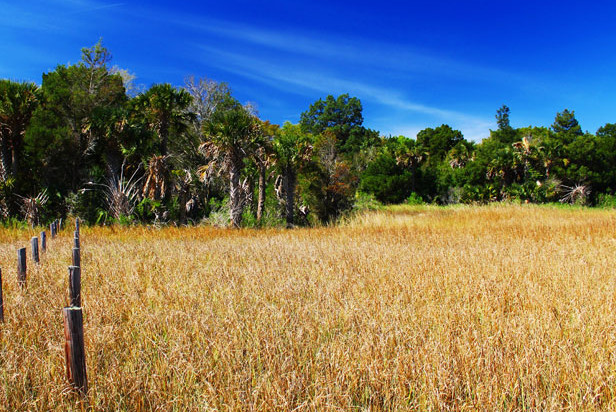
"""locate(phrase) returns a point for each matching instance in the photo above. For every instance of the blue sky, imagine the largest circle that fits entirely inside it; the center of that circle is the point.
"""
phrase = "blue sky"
(413, 64)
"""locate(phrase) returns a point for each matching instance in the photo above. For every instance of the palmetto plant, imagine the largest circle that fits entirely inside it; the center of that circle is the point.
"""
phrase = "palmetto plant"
(576, 194)
(122, 195)
(32, 207)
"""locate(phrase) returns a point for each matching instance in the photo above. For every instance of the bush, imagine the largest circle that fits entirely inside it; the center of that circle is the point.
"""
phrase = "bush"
(144, 210)
(414, 199)
(606, 201)
(366, 201)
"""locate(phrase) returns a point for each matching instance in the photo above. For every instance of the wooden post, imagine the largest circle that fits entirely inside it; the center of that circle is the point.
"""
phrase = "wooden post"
(21, 266)
(76, 257)
(43, 241)
(76, 239)
(77, 225)
(1, 302)
(35, 250)
(74, 349)
(74, 284)
(59, 224)
(52, 229)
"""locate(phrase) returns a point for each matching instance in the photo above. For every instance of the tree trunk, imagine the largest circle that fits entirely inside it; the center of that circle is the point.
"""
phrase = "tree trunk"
(6, 160)
(15, 160)
(235, 195)
(261, 196)
(290, 181)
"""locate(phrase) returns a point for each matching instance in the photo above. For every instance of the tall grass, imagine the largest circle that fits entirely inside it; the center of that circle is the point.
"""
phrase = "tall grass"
(466, 308)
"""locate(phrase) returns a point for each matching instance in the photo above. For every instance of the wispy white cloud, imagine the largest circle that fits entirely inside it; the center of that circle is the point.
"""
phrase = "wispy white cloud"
(50, 16)
(297, 80)
(91, 6)
(352, 50)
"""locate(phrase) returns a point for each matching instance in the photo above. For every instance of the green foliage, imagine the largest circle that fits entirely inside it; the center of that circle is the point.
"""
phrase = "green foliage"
(505, 133)
(18, 102)
(366, 201)
(219, 213)
(386, 180)
(75, 127)
(187, 149)
(566, 125)
(606, 201)
(145, 210)
(163, 111)
(414, 199)
(344, 112)
(328, 183)
(342, 117)
(438, 142)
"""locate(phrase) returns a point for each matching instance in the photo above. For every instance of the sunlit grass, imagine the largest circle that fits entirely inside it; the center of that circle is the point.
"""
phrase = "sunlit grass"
(463, 308)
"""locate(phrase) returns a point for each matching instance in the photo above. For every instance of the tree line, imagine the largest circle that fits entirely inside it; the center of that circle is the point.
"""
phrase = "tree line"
(87, 142)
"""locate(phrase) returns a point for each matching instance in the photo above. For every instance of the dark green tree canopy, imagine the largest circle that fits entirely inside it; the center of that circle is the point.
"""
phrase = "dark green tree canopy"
(163, 109)
(439, 141)
(566, 125)
(341, 116)
(505, 133)
(196, 150)
(18, 102)
(71, 131)
(343, 111)
(502, 118)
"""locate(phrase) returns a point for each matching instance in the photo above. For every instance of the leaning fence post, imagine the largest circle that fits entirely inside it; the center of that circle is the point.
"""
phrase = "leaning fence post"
(21, 266)
(35, 250)
(76, 257)
(74, 349)
(1, 302)
(74, 284)
(60, 224)
(43, 241)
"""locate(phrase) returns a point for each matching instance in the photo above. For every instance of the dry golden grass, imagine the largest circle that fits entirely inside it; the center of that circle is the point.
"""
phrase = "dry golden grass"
(469, 308)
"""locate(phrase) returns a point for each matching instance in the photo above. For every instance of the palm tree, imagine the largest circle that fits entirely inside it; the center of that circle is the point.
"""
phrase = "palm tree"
(263, 157)
(228, 134)
(17, 104)
(165, 111)
(292, 149)
(410, 156)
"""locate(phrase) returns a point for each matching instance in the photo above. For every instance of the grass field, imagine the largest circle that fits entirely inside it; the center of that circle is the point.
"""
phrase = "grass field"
(466, 308)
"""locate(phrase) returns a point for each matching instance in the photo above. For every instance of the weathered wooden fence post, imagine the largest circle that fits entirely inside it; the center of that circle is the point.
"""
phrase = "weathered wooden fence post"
(1, 301)
(21, 266)
(52, 229)
(77, 224)
(76, 257)
(60, 224)
(35, 250)
(74, 284)
(43, 241)
(76, 241)
(74, 349)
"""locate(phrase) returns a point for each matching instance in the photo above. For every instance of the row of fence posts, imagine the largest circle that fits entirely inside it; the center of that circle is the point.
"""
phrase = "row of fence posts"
(73, 323)
(73, 314)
